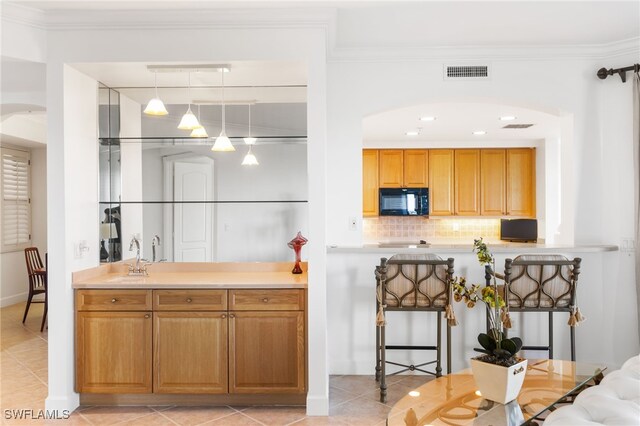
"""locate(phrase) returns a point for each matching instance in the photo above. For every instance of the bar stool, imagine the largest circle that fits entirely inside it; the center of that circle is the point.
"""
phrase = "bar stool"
(543, 283)
(409, 283)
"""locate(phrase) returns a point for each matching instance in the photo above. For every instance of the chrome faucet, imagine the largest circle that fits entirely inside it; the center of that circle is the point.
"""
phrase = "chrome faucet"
(137, 269)
(154, 242)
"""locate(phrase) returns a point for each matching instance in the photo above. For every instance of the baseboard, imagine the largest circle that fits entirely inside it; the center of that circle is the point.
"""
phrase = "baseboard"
(317, 405)
(59, 404)
(191, 399)
(12, 300)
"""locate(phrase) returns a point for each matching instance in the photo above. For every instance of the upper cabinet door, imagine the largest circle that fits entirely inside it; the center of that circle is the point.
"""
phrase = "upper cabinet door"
(441, 182)
(370, 182)
(521, 178)
(493, 182)
(467, 182)
(416, 170)
(391, 168)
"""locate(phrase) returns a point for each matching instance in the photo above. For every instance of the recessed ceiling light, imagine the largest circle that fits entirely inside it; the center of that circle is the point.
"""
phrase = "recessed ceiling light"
(508, 118)
(412, 133)
(479, 132)
(428, 118)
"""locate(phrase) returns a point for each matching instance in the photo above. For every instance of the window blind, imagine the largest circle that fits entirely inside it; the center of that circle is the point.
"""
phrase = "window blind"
(16, 202)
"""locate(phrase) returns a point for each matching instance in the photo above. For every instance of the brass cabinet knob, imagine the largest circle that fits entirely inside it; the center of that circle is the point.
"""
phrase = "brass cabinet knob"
(147, 315)
(223, 316)
(265, 300)
(232, 315)
(188, 300)
(114, 300)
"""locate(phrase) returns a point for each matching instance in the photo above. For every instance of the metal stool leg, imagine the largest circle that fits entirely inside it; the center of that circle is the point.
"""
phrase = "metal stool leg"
(448, 348)
(573, 343)
(439, 346)
(378, 349)
(383, 366)
(550, 335)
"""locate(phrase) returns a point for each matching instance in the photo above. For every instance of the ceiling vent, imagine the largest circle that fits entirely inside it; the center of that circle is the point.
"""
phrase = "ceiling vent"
(466, 72)
(517, 126)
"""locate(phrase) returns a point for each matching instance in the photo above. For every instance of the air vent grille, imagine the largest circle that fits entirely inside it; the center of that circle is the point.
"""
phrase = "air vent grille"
(517, 126)
(466, 71)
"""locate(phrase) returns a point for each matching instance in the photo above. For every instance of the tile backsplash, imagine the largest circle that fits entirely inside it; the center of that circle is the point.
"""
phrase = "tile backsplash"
(389, 228)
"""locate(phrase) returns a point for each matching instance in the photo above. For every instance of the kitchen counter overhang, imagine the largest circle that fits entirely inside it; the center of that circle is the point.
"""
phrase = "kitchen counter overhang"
(196, 275)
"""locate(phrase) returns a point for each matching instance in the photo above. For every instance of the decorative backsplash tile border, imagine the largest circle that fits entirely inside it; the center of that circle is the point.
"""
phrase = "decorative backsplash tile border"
(388, 228)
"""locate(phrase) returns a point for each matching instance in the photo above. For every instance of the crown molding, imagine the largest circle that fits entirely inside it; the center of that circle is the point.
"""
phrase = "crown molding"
(22, 15)
(405, 53)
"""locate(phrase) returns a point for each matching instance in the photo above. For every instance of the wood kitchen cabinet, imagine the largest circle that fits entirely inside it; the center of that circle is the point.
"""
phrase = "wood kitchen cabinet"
(113, 352)
(391, 168)
(416, 168)
(467, 182)
(521, 182)
(493, 179)
(370, 183)
(441, 182)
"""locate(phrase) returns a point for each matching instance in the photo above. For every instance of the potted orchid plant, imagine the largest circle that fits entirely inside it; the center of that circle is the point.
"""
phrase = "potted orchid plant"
(499, 372)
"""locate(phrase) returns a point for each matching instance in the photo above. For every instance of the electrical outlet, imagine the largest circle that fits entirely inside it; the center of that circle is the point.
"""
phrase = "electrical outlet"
(353, 223)
(628, 245)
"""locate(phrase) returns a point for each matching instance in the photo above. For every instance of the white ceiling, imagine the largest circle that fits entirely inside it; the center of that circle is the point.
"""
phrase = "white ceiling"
(457, 122)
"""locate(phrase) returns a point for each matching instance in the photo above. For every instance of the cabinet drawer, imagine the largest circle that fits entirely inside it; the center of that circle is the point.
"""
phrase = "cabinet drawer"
(113, 300)
(190, 300)
(266, 300)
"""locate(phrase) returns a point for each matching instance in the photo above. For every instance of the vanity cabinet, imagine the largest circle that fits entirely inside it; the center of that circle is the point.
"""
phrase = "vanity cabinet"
(370, 183)
(114, 341)
(190, 341)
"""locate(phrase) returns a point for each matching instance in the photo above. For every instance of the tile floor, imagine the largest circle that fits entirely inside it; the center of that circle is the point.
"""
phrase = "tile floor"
(353, 400)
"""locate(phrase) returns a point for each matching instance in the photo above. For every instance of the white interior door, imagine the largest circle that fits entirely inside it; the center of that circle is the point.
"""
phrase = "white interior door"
(192, 222)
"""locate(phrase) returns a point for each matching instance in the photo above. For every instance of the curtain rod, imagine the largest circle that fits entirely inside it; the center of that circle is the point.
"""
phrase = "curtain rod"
(622, 72)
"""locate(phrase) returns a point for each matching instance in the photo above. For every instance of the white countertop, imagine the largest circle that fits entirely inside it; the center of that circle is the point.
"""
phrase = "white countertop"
(467, 247)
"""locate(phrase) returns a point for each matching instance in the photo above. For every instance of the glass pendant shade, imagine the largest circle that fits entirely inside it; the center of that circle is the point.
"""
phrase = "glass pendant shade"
(155, 107)
(199, 132)
(189, 121)
(250, 159)
(250, 140)
(222, 144)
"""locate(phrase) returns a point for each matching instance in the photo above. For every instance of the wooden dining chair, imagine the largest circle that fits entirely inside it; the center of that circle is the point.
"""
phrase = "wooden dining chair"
(37, 282)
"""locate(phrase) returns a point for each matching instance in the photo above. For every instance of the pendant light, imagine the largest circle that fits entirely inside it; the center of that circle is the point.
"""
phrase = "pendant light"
(189, 121)
(200, 131)
(250, 159)
(155, 105)
(222, 144)
(249, 140)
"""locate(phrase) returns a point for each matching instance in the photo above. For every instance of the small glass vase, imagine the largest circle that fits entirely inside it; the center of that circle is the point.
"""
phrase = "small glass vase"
(296, 244)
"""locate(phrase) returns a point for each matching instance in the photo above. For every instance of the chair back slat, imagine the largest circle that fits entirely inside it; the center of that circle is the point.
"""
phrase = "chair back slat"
(33, 260)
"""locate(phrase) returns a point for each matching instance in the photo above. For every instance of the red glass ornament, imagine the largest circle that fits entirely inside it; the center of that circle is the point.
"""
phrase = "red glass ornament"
(296, 244)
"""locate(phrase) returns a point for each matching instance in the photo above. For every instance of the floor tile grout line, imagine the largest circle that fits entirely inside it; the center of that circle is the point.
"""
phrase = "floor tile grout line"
(80, 414)
(30, 370)
(166, 417)
(255, 420)
(221, 417)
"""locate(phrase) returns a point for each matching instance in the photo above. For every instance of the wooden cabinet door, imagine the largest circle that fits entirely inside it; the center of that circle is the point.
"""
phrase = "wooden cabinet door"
(190, 352)
(441, 182)
(113, 352)
(416, 168)
(370, 182)
(493, 181)
(521, 182)
(467, 182)
(391, 168)
(267, 352)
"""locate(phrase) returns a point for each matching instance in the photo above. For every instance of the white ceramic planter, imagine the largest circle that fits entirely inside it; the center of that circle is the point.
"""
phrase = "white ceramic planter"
(498, 383)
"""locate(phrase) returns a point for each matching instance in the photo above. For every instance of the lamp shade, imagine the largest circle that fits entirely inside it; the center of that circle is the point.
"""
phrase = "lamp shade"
(155, 107)
(199, 132)
(189, 121)
(250, 159)
(108, 231)
(222, 144)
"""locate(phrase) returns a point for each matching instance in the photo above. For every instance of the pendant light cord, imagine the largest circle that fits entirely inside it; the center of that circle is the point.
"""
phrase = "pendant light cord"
(155, 82)
(249, 120)
(223, 120)
(189, 74)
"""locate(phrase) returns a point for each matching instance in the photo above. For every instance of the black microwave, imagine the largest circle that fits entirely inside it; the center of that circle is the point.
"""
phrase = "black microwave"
(404, 201)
